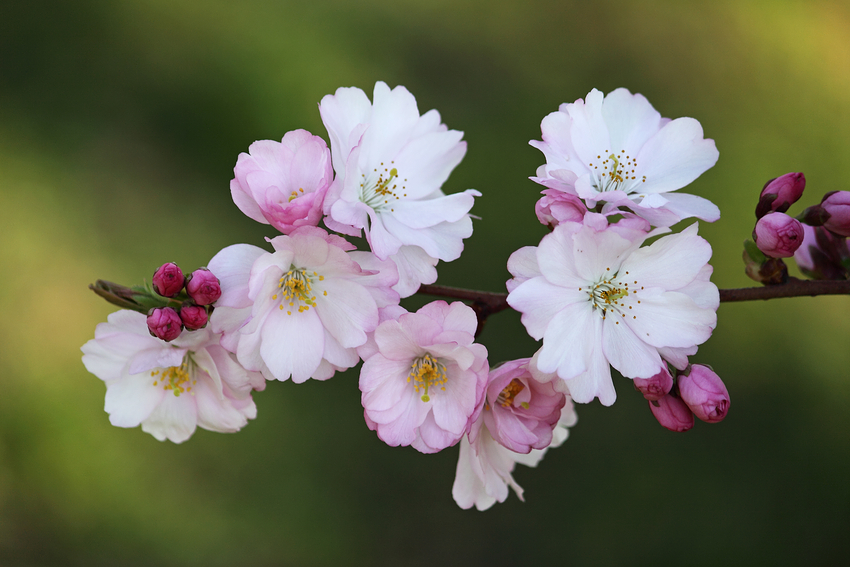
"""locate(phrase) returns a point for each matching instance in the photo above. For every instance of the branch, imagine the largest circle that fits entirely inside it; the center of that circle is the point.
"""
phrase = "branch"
(794, 287)
(486, 303)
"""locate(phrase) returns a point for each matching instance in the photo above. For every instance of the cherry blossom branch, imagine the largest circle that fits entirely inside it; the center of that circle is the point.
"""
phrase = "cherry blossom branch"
(486, 303)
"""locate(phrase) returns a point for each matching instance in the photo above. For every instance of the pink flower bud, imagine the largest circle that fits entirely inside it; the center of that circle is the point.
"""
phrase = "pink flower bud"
(672, 413)
(780, 193)
(655, 387)
(164, 323)
(194, 317)
(778, 235)
(837, 204)
(203, 287)
(168, 280)
(705, 393)
(822, 254)
(555, 207)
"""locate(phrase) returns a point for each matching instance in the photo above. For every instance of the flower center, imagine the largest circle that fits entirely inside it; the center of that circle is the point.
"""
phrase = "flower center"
(506, 396)
(617, 173)
(608, 295)
(381, 188)
(296, 287)
(426, 372)
(295, 194)
(178, 379)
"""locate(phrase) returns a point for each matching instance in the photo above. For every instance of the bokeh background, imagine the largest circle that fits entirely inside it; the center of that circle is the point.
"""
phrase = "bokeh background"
(120, 123)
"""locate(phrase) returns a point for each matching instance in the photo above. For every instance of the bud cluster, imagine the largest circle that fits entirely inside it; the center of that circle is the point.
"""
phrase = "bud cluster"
(816, 238)
(696, 391)
(202, 289)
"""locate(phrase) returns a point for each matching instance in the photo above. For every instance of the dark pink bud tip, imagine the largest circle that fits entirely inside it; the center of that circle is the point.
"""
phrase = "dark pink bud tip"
(672, 413)
(194, 317)
(164, 323)
(168, 280)
(705, 393)
(780, 193)
(203, 287)
(655, 387)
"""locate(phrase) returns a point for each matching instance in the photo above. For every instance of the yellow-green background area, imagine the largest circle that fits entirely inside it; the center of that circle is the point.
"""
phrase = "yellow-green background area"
(120, 123)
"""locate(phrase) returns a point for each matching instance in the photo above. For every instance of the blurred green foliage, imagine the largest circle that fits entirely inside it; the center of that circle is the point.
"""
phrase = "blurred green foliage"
(121, 122)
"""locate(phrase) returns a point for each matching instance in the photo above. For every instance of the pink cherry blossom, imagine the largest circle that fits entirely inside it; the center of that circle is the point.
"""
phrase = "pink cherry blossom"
(618, 149)
(300, 311)
(425, 384)
(169, 388)
(598, 300)
(519, 411)
(283, 183)
(484, 466)
(780, 193)
(390, 164)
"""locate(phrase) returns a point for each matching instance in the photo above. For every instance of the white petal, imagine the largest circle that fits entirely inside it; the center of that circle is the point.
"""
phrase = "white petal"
(292, 345)
(232, 266)
(675, 156)
(631, 120)
(174, 419)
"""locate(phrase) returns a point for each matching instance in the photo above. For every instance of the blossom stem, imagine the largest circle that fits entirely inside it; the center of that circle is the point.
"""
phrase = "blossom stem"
(486, 303)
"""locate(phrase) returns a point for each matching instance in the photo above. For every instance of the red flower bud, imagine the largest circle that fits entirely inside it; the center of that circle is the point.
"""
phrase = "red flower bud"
(203, 287)
(164, 323)
(778, 235)
(194, 316)
(655, 387)
(780, 193)
(705, 393)
(672, 413)
(168, 280)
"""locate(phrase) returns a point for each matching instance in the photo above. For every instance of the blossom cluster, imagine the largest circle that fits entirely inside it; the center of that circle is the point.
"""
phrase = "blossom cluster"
(607, 287)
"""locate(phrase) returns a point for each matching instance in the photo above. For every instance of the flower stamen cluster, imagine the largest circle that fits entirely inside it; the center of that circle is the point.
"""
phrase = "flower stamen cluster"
(619, 176)
(176, 378)
(296, 286)
(426, 372)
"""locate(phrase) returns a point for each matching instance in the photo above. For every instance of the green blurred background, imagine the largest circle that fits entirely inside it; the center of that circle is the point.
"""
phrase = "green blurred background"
(120, 123)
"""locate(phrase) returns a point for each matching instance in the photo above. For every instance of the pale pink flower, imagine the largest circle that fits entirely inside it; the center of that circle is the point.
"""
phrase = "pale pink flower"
(618, 149)
(519, 411)
(390, 163)
(597, 299)
(300, 311)
(169, 388)
(283, 183)
(425, 384)
(485, 467)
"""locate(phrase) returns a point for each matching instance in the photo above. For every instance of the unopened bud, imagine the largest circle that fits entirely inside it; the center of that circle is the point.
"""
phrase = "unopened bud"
(779, 194)
(672, 413)
(814, 216)
(778, 235)
(164, 323)
(203, 287)
(655, 387)
(168, 280)
(194, 317)
(555, 207)
(837, 205)
(705, 393)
